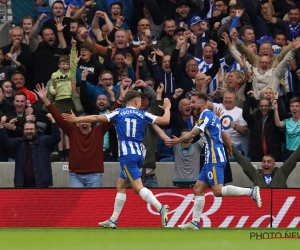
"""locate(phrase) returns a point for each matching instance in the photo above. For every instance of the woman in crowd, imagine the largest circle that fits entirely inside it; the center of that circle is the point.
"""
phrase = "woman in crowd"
(235, 81)
(265, 135)
(9, 92)
(27, 23)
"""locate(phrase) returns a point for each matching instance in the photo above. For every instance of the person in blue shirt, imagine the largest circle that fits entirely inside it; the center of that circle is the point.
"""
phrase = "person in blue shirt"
(130, 127)
(212, 173)
(117, 8)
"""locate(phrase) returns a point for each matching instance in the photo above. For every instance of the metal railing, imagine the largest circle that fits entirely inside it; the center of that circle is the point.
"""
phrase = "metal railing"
(3, 12)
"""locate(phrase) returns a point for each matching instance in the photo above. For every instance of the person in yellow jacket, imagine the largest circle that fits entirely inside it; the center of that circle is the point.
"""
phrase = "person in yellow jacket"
(61, 89)
(60, 84)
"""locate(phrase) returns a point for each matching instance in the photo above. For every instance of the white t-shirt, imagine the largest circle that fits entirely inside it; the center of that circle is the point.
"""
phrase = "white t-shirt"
(228, 116)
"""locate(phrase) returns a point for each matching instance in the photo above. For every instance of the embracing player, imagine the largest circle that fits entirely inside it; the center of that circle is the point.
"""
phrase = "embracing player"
(130, 127)
(212, 173)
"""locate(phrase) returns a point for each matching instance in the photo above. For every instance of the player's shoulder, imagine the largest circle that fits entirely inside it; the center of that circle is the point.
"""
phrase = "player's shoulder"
(205, 116)
(207, 113)
(115, 111)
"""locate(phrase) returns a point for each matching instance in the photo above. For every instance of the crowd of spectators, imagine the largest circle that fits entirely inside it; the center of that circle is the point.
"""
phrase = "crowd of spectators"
(244, 54)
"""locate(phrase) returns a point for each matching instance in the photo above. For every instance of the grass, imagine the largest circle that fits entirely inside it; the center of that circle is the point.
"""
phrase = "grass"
(141, 239)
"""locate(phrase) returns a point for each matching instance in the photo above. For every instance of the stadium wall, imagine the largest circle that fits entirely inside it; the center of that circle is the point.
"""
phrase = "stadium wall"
(86, 207)
(4, 32)
(164, 173)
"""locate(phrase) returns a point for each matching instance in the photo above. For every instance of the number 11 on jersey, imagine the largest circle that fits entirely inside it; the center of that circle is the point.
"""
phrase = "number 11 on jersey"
(130, 131)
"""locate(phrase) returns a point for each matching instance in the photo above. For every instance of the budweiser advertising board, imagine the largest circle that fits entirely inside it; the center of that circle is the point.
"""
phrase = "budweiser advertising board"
(86, 207)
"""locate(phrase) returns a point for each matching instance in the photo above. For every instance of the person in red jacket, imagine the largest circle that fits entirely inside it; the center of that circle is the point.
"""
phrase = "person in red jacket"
(85, 162)
(18, 81)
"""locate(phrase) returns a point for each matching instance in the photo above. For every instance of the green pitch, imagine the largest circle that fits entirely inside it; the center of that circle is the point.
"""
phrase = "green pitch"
(142, 239)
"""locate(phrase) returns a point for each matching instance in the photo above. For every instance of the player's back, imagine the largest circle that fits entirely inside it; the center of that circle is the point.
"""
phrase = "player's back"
(130, 127)
(212, 137)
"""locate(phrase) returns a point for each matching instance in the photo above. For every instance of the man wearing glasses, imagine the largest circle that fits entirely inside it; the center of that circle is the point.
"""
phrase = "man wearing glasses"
(104, 87)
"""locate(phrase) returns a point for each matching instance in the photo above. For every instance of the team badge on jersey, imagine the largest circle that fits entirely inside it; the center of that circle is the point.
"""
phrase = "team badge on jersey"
(200, 121)
(225, 121)
(298, 125)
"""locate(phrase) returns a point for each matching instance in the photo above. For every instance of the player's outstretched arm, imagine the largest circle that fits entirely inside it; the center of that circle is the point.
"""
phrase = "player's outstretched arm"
(161, 133)
(165, 119)
(90, 118)
(190, 135)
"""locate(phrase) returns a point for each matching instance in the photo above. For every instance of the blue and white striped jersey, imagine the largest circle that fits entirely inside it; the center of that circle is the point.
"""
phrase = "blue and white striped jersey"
(130, 127)
(203, 67)
(234, 66)
(288, 80)
(210, 12)
(211, 134)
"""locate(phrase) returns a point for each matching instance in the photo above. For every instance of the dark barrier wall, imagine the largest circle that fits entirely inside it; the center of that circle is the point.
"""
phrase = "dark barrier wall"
(86, 207)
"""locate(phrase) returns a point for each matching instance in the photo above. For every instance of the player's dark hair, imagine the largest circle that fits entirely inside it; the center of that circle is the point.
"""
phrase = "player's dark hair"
(200, 95)
(130, 95)
(2, 89)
